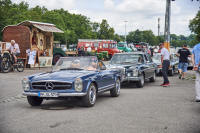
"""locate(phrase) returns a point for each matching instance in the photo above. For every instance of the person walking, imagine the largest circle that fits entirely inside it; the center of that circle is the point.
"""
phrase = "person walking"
(196, 67)
(165, 55)
(183, 54)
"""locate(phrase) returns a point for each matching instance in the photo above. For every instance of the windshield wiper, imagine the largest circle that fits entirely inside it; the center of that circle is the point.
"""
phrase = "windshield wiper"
(71, 68)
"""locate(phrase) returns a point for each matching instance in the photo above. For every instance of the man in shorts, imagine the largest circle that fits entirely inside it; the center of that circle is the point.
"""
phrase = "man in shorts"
(14, 49)
(183, 54)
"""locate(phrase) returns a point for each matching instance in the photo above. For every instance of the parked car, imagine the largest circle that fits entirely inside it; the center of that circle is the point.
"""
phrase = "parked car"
(123, 47)
(57, 53)
(190, 65)
(82, 77)
(173, 64)
(134, 67)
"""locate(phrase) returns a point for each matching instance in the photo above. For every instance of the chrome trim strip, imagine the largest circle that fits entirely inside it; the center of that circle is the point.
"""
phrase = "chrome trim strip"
(51, 81)
(54, 85)
(131, 79)
(59, 94)
(39, 85)
(107, 86)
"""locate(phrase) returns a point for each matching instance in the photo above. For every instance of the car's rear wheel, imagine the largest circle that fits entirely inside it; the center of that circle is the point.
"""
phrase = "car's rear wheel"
(34, 100)
(90, 99)
(116, 90)
(153, 78)
(140, 83)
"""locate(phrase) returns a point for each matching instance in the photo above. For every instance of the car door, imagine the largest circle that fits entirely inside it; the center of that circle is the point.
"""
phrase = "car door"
(174, 62)
(107, 78)
(151, 65)
(144, 67)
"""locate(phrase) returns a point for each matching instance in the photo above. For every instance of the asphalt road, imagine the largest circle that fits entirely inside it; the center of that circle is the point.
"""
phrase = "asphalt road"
(152, 109)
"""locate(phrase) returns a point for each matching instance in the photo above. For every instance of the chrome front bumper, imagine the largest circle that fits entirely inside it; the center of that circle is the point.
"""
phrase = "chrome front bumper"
(59, 94)
(159, 70)
(131, 79)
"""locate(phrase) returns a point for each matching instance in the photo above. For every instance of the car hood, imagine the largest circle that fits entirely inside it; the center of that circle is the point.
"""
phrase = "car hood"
(64, 75)
(126, 66)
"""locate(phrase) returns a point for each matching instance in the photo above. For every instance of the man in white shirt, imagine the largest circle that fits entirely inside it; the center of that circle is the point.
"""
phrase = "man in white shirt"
(14, 49)
(165, 56)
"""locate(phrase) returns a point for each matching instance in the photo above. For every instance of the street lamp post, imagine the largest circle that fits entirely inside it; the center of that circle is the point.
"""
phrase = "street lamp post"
(125, 29)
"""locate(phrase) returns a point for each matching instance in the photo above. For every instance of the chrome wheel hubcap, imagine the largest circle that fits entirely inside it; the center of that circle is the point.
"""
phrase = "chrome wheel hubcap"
(118, 86)
(92, 95)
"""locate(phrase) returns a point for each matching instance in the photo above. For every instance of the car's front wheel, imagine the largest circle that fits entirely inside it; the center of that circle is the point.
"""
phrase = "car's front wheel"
(140, 83)
(34, 100)
(116, 90)
(153, 78)
(90, 99)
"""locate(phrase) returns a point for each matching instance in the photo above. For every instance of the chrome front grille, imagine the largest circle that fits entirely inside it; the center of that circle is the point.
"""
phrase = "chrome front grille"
(51, 85)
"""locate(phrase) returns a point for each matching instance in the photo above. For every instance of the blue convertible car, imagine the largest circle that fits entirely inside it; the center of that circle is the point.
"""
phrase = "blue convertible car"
(72, 77)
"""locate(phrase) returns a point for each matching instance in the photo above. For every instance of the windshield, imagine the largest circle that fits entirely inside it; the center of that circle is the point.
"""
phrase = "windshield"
(126, 58)
(122, 45)
(156, 58)
(113, 45)
(77, 63)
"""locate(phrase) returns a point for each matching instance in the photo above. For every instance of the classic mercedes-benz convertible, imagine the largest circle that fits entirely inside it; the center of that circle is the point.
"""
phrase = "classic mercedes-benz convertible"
(72, 77)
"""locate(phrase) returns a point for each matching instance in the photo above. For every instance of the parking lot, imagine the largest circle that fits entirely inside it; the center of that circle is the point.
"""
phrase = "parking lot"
(152, 109)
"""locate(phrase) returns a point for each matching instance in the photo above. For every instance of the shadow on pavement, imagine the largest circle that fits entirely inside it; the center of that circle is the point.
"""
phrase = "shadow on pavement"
(70, 103)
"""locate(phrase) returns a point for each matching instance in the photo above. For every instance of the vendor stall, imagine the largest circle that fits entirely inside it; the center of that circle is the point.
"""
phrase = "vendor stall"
(33, 36)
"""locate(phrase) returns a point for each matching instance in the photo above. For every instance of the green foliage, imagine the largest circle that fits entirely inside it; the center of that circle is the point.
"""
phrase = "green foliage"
(105, 54)
(149, 37)
(143, 36)
(105, 31)
(75, 26)
(179, 41)
(195, 26)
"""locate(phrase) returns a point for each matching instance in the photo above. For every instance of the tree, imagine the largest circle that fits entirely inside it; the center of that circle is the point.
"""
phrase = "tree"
(142, 36)
(195, 26)
(105, 31)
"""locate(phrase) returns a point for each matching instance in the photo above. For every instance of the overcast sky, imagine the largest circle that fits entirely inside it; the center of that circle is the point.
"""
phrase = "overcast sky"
(140, 14)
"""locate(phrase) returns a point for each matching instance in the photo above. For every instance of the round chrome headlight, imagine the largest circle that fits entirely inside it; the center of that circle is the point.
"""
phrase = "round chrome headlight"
(135, 72)
(78, 84)
(25, 84)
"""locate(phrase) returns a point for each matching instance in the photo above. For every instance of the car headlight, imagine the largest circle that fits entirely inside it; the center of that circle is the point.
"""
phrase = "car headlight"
(78, 84)
(135, 72)
(25, 84)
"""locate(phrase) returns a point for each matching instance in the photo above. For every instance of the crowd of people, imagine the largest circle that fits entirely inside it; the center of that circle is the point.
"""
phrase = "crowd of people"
(183, 55)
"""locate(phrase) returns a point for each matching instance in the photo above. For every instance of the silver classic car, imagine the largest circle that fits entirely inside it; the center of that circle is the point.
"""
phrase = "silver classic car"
(173, 64)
